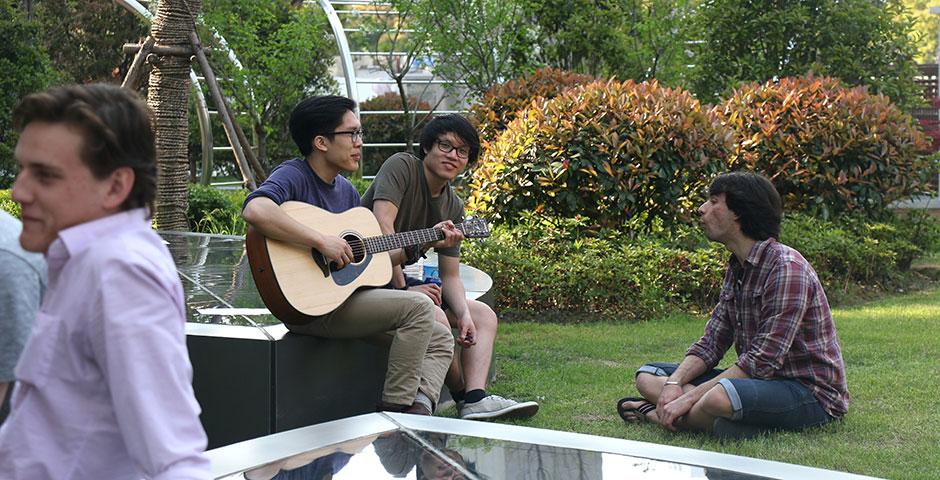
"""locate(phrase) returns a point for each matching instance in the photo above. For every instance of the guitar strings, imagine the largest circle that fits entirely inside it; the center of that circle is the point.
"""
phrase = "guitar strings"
(359, 246)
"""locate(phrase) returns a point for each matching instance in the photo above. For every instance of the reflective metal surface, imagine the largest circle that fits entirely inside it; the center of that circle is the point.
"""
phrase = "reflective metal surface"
(217, 279)
(386, 446)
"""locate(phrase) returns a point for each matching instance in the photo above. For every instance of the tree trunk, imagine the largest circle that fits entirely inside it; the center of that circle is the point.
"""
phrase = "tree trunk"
(168, 97)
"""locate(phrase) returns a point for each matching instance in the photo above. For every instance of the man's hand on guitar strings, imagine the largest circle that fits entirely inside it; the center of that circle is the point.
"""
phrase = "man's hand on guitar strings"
(336, 250)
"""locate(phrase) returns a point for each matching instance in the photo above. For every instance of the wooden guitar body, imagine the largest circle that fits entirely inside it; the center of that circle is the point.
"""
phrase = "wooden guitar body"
(294, 283)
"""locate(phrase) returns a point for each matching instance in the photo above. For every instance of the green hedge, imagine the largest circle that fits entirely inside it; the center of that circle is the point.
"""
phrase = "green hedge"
(212, 210)
(545, 269)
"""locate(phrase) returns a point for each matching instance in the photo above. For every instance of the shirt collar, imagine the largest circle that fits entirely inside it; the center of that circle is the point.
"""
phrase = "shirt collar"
(754, 257)
(77, 238)
(756, 254)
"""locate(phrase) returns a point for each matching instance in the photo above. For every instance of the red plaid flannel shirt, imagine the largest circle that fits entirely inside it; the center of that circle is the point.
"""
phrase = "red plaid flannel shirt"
(775, 311)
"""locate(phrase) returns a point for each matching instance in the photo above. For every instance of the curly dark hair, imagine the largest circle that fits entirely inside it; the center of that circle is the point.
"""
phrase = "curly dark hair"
(451, 123)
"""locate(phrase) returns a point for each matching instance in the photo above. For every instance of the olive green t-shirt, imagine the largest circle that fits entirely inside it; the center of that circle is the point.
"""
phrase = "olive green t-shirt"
(401, 181)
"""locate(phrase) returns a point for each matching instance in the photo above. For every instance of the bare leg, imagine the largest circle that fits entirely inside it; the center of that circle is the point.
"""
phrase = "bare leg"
(649, 386)
(715, 403)
(475, 361)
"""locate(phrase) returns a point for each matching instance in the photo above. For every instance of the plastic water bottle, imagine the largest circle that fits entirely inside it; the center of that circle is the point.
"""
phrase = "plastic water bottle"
(430, 274)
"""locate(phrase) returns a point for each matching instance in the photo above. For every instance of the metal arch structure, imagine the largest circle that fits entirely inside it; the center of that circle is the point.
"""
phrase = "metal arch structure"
(349, 70)
(202, 108)
(352, 83)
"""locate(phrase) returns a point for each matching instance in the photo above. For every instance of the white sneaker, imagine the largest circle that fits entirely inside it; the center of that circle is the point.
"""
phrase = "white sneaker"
(494, 406)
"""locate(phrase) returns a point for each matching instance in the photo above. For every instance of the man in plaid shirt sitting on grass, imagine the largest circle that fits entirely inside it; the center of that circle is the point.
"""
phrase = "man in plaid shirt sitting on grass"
(789, 373)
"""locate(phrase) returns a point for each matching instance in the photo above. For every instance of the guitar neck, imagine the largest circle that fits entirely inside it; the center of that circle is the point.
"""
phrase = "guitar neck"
(385, 243)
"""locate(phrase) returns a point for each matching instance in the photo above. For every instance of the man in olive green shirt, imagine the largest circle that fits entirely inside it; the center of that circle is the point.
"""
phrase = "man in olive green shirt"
(410, 194)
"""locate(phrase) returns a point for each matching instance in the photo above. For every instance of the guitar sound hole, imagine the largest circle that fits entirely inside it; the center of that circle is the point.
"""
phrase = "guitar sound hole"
(358, 247)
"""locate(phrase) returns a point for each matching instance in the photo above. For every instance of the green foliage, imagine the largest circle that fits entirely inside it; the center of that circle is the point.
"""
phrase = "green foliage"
(26, 69)
(638, 40)
(216, 211)
(480, 42)
(924, 29)
(360, 183)
(384, 128)
(552, 268)
(8, 205)
(286, 53)
(859, 41)
(84, 38)
(850, 251)
(613, 152)
(502, 103)
(828, 149)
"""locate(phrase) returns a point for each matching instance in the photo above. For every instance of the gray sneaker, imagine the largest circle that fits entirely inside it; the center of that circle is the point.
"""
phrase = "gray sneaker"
(494, 406)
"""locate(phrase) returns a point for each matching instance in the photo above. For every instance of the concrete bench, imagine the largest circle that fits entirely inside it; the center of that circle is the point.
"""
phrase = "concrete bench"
(256, 380)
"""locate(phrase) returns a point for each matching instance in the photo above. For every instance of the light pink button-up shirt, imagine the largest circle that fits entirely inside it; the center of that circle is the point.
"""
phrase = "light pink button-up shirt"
(104, 384)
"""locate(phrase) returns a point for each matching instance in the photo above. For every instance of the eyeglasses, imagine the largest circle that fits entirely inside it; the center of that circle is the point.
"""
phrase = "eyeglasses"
(446, 147)
(354, 135)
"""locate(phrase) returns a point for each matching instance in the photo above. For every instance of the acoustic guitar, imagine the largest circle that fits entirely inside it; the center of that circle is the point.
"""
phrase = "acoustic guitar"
(297, 284)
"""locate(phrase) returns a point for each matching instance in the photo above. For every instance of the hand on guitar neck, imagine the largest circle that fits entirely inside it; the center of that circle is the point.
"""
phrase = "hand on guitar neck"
(452, 235)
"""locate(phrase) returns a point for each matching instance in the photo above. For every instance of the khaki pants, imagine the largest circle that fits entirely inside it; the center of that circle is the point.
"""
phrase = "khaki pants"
(420, 349)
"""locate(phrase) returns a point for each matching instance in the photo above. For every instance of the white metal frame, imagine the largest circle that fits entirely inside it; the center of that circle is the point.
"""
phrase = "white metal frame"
(231, 459)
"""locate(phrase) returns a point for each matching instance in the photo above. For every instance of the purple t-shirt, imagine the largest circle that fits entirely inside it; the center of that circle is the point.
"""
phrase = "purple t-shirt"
(295, 180)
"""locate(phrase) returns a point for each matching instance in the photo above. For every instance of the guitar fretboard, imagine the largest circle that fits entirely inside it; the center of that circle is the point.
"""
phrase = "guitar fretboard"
(385, 243)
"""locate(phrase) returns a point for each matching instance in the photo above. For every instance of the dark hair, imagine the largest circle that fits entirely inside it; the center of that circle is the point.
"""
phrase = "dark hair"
(317, 116)
(754, 200)
(451, 123)
(116, 131)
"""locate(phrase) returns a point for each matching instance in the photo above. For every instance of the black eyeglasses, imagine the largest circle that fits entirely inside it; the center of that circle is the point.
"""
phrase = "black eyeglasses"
(446, 147)
(354, 135)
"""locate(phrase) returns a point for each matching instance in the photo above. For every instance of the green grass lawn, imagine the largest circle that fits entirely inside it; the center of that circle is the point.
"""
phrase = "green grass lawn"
(891, 349)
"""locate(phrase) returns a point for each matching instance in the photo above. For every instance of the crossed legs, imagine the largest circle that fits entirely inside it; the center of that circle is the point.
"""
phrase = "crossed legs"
(701, 417)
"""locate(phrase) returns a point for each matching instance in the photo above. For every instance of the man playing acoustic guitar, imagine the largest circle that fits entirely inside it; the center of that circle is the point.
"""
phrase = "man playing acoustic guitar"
(329, 136)
(410, 193)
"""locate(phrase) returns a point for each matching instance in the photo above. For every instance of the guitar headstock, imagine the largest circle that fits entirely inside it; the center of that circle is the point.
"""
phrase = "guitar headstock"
(474, 227)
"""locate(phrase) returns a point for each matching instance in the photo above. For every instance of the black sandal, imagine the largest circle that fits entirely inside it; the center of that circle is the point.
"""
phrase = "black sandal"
(641, 411)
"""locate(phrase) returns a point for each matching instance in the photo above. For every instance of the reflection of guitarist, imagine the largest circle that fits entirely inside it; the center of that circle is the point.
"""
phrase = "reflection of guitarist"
(329, 137)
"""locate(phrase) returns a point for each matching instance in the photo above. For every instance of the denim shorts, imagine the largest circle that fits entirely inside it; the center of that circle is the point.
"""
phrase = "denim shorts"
(764, 404)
